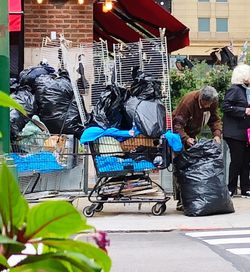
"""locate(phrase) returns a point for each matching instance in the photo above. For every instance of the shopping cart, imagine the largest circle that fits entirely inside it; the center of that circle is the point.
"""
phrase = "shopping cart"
(37, 155)
(123, 169)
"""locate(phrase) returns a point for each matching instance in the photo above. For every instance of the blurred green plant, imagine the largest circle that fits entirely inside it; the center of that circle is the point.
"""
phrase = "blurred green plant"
(46, 229)
(248, 58)
(220, 78)
(6, 101)
(181, 83)
(38, 238)
(201, 74)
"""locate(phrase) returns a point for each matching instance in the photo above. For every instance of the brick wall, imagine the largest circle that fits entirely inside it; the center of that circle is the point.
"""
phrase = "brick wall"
(74, 20)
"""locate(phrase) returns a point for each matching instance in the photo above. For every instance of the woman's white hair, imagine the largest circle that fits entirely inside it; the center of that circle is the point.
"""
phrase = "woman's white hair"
(241, 73)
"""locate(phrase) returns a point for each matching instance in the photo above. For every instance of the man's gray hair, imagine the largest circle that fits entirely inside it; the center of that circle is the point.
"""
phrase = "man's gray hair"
(209, 93)
(241, 73)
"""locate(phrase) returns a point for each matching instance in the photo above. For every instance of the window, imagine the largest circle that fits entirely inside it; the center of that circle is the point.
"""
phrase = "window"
(203, 24)
(203, 0)
(222, 1)
(222, 25)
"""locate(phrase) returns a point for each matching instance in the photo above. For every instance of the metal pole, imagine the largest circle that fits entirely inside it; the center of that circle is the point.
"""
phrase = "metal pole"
(4, 73)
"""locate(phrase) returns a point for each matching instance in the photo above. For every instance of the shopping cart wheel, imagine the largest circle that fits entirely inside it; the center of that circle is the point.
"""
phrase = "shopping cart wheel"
(88, 212)
(99, 207)
(159, 208)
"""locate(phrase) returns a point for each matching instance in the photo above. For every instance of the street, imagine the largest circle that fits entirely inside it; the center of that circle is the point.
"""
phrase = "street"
(180, 251)
(140, 241)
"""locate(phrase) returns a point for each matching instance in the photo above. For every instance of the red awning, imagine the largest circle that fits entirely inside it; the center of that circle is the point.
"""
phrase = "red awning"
(130, 20)
(15, 13)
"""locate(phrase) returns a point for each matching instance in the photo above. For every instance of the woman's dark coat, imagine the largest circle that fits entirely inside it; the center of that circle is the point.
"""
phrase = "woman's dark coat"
(235, 121)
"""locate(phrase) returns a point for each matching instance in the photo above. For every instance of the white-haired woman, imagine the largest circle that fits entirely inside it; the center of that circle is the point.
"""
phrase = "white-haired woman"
(236, 121)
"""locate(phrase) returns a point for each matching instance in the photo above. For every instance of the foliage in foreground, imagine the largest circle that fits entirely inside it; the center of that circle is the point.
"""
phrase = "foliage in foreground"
(37, 239)
(44, 230)
(6, 101)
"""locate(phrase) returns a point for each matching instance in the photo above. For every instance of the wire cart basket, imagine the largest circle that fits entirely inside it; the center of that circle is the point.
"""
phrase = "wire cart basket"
(123, 172)
(40, 154)
(123, 168)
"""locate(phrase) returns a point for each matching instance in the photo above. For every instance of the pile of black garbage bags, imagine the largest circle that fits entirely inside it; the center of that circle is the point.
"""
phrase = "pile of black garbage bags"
(139, 106)
(49, 94)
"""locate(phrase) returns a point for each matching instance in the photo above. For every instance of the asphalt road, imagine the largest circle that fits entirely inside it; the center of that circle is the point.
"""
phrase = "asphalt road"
(180, 251)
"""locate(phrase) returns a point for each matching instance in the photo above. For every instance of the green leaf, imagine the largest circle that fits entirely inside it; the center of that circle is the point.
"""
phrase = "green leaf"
(6, 101)
(3, 261)
(41, 266)
(7, 240)
(54, 219)
(89, 250)
(1, 222)
(13, 245)
(13, 206)
(77, 260)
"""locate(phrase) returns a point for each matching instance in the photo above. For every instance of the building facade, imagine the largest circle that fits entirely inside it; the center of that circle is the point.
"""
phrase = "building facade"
(68, 17)
(213, 24)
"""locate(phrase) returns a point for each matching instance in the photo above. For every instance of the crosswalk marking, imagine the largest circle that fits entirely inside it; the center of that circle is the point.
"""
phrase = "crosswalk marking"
(227, 239)
(244, 240)
(218, 233)
(240, 251)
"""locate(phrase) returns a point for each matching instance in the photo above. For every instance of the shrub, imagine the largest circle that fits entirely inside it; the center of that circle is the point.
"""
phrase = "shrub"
(201, 74)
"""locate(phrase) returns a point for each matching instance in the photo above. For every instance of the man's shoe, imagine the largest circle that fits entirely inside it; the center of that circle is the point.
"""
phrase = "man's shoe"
(231, 194)
(179, 206)
(246, 194)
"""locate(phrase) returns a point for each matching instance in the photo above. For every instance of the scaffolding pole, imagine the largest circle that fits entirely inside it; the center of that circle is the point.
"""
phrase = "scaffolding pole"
(4, 74)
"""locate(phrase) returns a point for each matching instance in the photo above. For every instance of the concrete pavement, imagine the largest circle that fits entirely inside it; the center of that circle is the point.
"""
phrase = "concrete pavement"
(120, 217)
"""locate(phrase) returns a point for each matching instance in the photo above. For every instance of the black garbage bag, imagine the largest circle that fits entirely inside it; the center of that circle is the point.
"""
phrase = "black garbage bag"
(108, 112)
(24, 97)
(28, 76)
(148, 116)
(145, 87)
(13, 84)
(57, 107)
(200, 174)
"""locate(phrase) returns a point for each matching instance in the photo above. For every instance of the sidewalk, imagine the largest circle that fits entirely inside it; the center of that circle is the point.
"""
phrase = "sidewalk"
(117, 217)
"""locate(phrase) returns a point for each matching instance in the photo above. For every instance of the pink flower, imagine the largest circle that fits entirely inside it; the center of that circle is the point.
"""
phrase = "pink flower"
(101, 240)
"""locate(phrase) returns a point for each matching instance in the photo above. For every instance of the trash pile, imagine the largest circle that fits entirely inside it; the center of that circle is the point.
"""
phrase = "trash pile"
(47, 93)
(47, 96)
(139, 107)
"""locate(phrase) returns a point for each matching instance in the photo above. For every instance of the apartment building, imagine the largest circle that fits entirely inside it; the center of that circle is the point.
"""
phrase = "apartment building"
(213, 23)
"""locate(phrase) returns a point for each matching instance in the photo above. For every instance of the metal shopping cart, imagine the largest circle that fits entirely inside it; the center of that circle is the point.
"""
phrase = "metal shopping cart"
(123, 169)
(39, 155)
